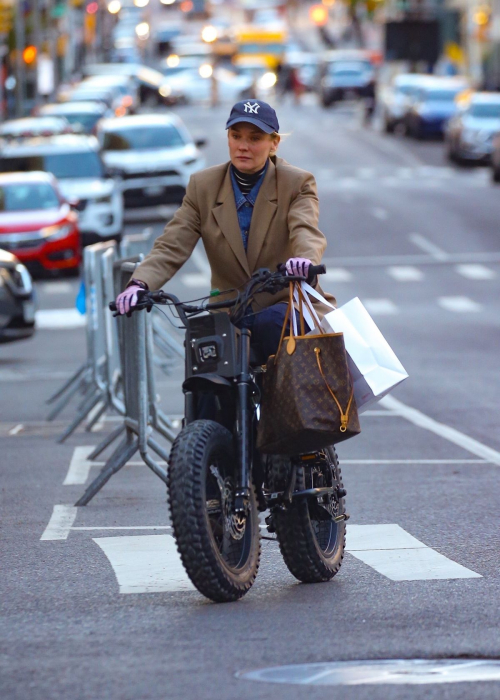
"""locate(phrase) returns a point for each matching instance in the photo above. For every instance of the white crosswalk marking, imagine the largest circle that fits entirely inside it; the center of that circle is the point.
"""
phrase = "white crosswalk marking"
(399, 556)
(151, 563)
(145, 563)
(55, 319)
(337, 274)
(405, 273)
(380, 213)
(476, 272)
(459, 304)
(56, 287)
(380, 307)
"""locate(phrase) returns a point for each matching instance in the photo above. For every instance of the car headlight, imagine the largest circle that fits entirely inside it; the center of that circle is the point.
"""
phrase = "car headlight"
(56, 232)
(103, 200)
(470, 135)
(190, 161)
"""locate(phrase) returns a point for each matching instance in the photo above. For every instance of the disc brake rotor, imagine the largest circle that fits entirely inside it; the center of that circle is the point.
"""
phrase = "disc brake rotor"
(234, 523)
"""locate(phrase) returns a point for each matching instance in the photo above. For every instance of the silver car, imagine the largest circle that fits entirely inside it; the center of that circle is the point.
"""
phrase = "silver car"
(395, 99)
(154, 154)
(469, 135)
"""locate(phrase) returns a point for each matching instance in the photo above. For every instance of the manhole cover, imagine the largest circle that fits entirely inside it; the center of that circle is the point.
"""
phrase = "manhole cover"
(388, 671)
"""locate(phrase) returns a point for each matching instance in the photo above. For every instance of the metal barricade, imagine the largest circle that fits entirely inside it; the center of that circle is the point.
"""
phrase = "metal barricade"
(142, 415)
(96, 389)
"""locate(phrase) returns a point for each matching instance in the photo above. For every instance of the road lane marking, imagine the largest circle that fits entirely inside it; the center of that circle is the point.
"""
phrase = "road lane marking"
(55, 319)
(414, 259)
(412, 415)
(337, 274)
(413, 461)
(195, 279)
(428, 247)
(57, 288)
(16, 429)
(459, 305)
(80, 465)
(405, 273)
(60, 523)
(399, 556)
(380, 213)
(151, 563)
(380, 307)
(145, 563)
(476, 272)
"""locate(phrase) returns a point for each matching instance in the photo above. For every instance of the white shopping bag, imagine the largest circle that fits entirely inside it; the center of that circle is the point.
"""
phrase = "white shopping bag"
(374, 367)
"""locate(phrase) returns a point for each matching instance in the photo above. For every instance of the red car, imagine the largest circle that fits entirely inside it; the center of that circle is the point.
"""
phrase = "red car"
(37, 224)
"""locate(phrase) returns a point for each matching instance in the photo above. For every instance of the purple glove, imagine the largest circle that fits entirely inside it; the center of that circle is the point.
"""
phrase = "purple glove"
(128, 298)
(298, 266)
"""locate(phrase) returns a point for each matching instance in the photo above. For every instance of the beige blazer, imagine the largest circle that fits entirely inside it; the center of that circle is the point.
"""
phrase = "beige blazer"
(284, 225)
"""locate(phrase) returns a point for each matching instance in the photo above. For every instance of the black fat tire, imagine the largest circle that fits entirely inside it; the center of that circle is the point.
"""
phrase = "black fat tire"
(495, 175)
(189, 460)
(296, 536)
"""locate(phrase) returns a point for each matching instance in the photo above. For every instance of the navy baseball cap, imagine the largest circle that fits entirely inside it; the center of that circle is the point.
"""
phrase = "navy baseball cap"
(254, 112)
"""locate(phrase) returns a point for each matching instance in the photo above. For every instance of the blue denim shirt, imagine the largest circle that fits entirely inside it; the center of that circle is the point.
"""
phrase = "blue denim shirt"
(245, 204)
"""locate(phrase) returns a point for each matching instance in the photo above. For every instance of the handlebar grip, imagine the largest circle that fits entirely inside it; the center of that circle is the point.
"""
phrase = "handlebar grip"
(316, 270)
(112, 306)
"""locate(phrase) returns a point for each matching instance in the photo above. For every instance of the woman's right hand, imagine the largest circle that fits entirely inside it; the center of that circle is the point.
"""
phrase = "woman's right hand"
(128, 298)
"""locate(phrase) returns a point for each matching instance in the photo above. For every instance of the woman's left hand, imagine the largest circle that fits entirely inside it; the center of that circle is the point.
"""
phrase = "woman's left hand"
(298, 266)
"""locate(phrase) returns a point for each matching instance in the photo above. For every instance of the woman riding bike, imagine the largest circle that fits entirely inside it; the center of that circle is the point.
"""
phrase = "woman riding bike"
(251, 213)
(255, 211)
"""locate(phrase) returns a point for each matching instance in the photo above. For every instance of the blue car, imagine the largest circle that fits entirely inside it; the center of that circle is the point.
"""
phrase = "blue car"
(432, 107)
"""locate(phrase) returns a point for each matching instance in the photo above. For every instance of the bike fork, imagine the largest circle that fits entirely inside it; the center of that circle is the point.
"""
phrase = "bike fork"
(244, 416)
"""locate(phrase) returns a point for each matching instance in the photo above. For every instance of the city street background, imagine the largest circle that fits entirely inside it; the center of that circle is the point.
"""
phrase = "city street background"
(417, 241)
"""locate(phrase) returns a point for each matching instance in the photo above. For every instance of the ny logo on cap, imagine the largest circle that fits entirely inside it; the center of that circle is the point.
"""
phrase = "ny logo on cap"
(254, 109)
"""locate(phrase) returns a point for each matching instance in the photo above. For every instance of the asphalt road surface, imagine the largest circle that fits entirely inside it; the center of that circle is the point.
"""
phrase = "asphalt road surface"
(95, 603)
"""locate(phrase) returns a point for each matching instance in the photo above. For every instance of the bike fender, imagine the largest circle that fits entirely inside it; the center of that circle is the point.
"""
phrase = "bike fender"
(206, 383)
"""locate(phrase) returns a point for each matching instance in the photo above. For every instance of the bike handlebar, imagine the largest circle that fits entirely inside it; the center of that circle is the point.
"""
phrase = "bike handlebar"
(160, 296)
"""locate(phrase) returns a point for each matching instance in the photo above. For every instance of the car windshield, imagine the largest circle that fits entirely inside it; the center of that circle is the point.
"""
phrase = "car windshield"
(87, 120)
(485, 111)
(143, 138)
(62, 165)
(28, 196)
(338, 68)
(440, 95)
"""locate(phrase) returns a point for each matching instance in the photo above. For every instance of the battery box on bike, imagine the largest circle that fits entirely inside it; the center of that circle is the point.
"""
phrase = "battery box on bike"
(212, 346)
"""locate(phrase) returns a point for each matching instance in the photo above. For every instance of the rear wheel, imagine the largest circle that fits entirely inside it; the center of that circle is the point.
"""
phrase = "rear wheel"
(495, 175)
(220, 550)
(311, 543)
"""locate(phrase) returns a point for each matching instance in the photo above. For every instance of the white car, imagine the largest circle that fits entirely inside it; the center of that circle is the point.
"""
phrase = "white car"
(191, 86)
(395, 99)
(82, 178)
(154, 155)
(469, 135)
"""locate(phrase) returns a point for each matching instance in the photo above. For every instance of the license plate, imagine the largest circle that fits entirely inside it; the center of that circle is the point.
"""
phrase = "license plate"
(154, 190)
(29, 311)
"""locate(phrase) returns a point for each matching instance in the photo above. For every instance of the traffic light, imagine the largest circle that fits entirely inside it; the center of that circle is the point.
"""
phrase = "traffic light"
(318, 15)
(29, 54)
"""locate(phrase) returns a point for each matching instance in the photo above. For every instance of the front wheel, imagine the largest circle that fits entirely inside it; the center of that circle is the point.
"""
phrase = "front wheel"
(312, 543)
(220, 549)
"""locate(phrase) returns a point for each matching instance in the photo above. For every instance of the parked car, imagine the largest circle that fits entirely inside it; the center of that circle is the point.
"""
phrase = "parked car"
(432, 106)
(38, 224)
(17, 302)
(395, 100)
(34, 126)
(76, 163)
(126, 89)
(495, 159)
(469, 135)
(190, 86)
(155, 155)
(347, 80)
(82, 116)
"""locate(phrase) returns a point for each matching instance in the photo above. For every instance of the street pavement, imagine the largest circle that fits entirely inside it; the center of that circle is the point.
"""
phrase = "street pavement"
(95, 602)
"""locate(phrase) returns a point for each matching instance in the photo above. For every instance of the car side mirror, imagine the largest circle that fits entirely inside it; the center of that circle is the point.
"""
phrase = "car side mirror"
(200, 143)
